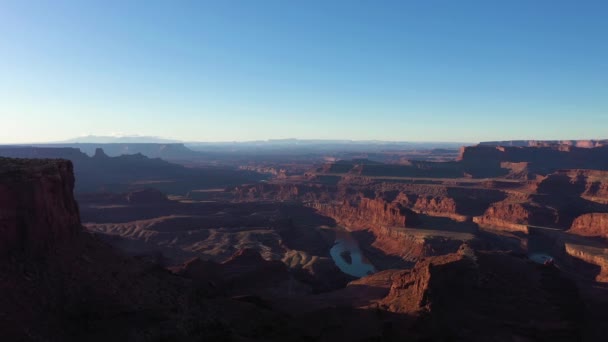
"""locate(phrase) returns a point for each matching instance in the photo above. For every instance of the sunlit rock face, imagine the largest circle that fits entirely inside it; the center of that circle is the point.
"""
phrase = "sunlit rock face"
(593, 224)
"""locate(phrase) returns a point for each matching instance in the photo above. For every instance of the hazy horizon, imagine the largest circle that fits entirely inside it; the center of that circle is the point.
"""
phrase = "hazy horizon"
(136, 139)
(448, 71)
(101, 139)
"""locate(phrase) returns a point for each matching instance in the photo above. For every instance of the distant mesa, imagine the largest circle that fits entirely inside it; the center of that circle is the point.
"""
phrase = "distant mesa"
(166, 151)
(547, 143)
(133, 139)
(99, 153)
(104, 173)
(530, 157)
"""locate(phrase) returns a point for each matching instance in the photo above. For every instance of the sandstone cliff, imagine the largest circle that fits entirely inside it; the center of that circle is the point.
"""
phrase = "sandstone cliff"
(485, 159)
(366, 213)
(456, 294)
(592, 255)
(506, 216)
(410, 292)
(591, 185)
(38, 209)
(593, 224)
(547, 143)
(285, 192)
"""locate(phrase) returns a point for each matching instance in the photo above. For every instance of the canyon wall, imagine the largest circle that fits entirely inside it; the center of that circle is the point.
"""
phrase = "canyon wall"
(513, 216)
(411, 291)
(366, 213)
(38, 208)
(593, 224)
(468, 290)
(284, 192)
(547, 143)
(591, 255)
(486, 159)
(591, 185)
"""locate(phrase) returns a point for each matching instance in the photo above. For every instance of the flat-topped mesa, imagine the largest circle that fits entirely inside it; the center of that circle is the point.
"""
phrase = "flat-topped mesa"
(37, 207)
(493, 159)
(150, 150)
(547, 143)
(99, 153)
(42, 152)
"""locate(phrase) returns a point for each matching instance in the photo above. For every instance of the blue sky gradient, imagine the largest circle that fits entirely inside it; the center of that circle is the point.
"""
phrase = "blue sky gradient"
(461, 71)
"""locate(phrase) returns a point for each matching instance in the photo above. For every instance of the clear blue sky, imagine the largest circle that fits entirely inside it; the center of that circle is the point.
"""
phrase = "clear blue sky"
(242, 70)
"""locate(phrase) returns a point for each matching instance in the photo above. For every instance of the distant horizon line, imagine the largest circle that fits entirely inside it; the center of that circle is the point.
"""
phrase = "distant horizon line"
(149, 139)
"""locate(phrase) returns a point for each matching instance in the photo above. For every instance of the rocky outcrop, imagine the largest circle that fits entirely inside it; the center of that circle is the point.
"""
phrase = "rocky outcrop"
(38, 211)
(593, 224)
(596, 191)
(427, 203)
(278, 173)
(553, 201)
(591, 185)
(285, 192)
(499, 224)
(244, 273)
(592, 255)
(100, 154)
(412, 245)
(468, 291)
(438, 206)
(505, 216)
(413, 168)
(566, 183)
(410, 291)
(367, 213)
(516, 216)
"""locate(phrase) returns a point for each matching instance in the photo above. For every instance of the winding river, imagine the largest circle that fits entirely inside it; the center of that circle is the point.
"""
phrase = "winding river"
(348, 256)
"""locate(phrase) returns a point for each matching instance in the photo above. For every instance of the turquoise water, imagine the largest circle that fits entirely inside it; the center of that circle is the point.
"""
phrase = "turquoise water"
(540, 258)
(360, 266)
